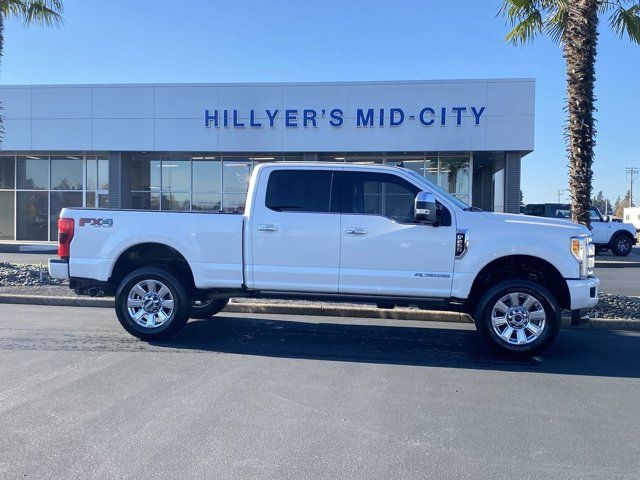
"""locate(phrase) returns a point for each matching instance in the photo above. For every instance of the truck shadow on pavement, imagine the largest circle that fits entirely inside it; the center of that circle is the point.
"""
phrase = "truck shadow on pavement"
(576, 352)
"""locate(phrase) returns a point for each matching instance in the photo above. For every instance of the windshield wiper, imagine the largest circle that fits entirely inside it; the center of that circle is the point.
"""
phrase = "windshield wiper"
(473, 209)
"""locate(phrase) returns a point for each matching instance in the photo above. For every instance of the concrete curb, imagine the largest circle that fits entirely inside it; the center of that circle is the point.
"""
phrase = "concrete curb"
(319, 310)
(619, 264)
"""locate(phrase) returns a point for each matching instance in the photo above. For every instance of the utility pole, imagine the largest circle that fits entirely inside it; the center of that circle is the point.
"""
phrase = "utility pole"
(633, 173)
(560, 190)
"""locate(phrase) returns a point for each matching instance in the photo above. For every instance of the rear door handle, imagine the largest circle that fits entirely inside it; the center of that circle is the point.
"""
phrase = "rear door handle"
(267, 228)
(356, 231)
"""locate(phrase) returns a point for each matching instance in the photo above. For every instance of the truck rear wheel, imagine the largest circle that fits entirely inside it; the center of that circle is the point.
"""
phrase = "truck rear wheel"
(151, 304)
(207, 308)
(518, 316)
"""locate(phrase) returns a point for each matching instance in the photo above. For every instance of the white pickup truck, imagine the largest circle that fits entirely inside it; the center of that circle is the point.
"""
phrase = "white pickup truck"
(369, 233)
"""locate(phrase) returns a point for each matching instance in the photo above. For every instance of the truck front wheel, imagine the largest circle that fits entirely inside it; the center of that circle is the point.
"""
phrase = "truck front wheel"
(519, 316)
(151, 304)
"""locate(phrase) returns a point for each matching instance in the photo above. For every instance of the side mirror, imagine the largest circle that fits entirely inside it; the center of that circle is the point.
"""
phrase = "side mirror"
(607, 218)
(425, 208)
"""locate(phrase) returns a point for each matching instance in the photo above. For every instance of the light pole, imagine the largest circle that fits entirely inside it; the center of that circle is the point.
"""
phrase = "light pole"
(633, 173)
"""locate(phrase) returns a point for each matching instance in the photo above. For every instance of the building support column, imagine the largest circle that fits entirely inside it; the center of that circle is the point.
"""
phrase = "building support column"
(119, 191)
(512, 182)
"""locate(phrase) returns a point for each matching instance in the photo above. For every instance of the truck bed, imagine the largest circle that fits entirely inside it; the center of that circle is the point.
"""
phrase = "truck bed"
(210, 242)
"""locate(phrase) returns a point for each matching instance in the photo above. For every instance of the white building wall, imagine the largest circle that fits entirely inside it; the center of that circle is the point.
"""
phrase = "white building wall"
(165, 117)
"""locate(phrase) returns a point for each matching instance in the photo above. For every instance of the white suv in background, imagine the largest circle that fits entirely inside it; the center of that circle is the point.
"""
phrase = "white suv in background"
(607, 235)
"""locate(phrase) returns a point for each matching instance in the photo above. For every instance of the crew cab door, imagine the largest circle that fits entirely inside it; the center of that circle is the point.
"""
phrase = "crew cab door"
(294, 236)
(382, 251)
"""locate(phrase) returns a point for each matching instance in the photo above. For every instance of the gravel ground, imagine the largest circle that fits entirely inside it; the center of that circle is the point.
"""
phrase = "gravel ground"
(35, 280)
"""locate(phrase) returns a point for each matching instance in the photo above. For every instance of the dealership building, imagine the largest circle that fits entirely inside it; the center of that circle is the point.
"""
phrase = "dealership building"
(193, 146)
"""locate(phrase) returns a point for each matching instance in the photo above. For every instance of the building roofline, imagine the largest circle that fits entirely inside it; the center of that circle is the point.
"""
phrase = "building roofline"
(274, 84)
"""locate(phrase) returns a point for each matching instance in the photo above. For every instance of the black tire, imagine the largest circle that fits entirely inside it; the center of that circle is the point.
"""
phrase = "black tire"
(174, 321)
(621, 244)
(207, 308)
(545, 300)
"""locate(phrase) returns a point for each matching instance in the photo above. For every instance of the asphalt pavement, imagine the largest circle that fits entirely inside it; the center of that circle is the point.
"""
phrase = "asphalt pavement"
(288, 397)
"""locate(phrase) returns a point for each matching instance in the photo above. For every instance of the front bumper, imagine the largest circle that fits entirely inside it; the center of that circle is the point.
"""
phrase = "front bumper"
(59, 268)
(584, 293)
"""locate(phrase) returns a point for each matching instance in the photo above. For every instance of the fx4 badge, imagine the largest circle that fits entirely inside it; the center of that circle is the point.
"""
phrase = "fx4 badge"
(96, 222)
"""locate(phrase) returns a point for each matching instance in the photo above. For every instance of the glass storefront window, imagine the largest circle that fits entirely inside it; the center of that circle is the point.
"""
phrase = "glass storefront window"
(6, 216)
(60, 200)
(103, 173)
(235, 175)
(33, 173)
(206, 202)
(431, 169)
(145, 201)
(233, 203)
(207, 176)
(8, 172)
(455, 176)
(66, 173)
(176, 175)
(33, 216)
(176, 201)
(97, 173)
(145, 174)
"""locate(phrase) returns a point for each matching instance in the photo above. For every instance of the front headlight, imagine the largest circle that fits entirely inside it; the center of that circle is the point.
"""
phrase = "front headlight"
(585, 252)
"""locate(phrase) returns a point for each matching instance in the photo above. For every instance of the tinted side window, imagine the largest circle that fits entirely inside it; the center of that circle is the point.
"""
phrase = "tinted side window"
(378, 194)
(299, 191)
(595, 215)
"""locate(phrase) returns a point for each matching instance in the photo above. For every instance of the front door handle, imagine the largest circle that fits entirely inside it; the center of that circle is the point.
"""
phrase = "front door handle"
(356, 231)
(267, 228)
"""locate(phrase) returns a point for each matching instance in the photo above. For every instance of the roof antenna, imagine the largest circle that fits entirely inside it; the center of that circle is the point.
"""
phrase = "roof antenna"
(401, 164)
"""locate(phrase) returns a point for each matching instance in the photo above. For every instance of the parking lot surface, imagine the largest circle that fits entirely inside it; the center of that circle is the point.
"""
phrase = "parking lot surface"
(287, 397)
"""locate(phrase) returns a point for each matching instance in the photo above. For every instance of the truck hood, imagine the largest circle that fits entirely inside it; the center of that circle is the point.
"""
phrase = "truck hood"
(527, 222)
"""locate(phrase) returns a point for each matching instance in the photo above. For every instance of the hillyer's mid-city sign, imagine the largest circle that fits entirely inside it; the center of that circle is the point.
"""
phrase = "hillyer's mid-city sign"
(365, 117)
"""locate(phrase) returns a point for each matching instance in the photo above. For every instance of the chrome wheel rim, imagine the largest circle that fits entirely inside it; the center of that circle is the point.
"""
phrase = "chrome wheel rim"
(518, 318)
(150, 303)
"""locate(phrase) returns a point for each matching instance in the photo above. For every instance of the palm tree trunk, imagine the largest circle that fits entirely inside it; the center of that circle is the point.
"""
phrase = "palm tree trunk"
(579, 42)
(1, 53)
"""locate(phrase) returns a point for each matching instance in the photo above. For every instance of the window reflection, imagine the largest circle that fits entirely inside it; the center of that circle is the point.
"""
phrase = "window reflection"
(176, 175)
(235, 177)
(7, 172)
(6, 216)
(66, 173)
(207, 202)
(455, 176)
(207, 176)
(33, 173)
(33, 215)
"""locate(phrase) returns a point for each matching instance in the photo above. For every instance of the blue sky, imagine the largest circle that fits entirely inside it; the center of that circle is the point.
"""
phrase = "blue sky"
(253, 41)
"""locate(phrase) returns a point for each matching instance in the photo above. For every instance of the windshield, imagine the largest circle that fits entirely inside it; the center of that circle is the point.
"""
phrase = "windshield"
(437, 189)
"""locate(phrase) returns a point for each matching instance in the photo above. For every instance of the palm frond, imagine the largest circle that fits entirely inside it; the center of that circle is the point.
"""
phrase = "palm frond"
(526, 19)
(626, 20)
(39, 12)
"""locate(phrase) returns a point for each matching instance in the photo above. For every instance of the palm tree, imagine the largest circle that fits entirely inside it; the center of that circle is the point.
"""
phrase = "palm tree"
(574, 24)
(38, 12)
